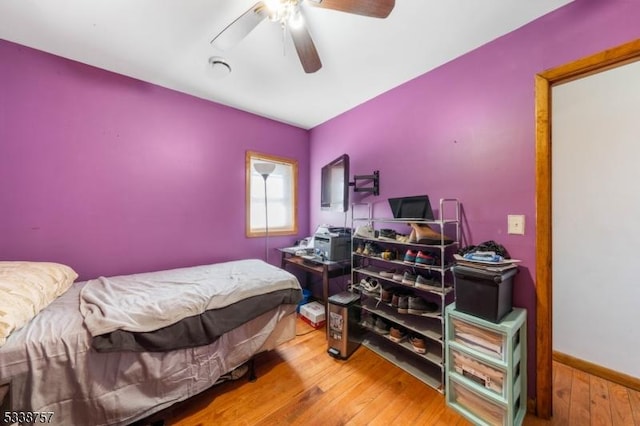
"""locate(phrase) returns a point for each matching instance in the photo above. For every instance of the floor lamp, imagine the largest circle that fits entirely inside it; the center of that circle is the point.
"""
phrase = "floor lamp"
(265, 169)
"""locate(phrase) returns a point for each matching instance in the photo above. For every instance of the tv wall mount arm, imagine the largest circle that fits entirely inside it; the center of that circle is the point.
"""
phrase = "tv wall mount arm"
(373, 180)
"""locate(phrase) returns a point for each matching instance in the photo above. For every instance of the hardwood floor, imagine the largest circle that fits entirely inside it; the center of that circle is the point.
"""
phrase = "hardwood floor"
(300, 384)
(582, 399)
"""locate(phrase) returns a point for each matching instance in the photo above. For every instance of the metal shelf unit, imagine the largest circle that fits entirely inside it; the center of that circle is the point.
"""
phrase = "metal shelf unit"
(428, 367)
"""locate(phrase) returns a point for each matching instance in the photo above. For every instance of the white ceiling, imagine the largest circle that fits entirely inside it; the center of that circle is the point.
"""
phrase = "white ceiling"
(167, 42)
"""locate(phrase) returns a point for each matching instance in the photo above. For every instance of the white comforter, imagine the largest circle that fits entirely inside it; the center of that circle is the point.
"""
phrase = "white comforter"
(150, 301)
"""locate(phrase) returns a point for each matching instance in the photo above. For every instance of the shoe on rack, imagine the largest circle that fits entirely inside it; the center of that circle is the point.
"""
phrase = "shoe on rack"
(368, 320)
(365, 231)
(403, 304)
(409, 279)
(419, 306)
(388, 255)
(426, 235)
(360, 249)
(386, 295)
(418, 343)
(397, 334)
(425, 258)
(371, 249)
(398, 276)
(410, 256)
(370, 286)
(427, 284)
(387, 234)
(365, 280)
(381, 326)
(395, 297)
(401, 238)
(389, 273)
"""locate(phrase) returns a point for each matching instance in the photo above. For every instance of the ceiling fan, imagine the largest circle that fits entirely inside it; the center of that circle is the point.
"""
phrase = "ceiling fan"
(289, 15)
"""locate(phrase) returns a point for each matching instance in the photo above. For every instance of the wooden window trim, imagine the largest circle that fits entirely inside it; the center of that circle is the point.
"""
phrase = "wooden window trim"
(247, 167)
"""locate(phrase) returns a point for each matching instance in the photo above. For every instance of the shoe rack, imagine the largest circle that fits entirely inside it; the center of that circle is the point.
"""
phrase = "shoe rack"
(373, 257)
(486, 373)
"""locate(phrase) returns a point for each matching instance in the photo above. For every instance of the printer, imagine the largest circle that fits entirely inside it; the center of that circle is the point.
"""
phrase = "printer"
(332, 243)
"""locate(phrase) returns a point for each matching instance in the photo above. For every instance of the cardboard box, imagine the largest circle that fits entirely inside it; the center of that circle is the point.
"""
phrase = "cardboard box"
(313, 314)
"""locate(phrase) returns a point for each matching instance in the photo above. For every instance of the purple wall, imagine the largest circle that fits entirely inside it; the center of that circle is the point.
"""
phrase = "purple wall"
(112, 175)
(467, 130)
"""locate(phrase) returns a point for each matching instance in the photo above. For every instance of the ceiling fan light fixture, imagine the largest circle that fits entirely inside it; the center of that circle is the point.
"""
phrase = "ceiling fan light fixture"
(288, 13)
(220, 67)
(296, 20)
(275, 9)
(282, 11)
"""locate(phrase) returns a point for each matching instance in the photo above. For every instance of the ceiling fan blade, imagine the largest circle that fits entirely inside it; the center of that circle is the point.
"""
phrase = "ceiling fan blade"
(241, 27)
(306, 49)
(372, 8)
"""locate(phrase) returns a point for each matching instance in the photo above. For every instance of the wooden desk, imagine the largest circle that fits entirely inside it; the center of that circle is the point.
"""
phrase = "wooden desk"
(326, 269)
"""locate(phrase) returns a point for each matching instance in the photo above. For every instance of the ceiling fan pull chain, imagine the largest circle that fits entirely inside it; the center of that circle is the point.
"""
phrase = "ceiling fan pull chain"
(284, 40)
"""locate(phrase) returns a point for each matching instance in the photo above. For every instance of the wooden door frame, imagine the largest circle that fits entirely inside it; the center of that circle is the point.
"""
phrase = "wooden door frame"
(544, 82)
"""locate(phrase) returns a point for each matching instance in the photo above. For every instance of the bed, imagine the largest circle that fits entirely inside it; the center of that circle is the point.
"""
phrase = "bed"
(91, 356)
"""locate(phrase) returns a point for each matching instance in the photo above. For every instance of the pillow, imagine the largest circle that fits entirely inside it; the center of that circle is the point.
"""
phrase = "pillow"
(26, 288)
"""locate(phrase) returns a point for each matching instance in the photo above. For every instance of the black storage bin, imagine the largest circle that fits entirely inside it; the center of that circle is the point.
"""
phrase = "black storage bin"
(484, 294)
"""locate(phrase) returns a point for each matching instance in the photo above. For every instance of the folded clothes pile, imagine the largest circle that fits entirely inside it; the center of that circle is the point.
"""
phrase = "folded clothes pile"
(489, 251)
(484, 256)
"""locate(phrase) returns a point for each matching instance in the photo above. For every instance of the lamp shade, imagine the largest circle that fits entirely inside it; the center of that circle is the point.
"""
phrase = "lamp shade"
(265, 169)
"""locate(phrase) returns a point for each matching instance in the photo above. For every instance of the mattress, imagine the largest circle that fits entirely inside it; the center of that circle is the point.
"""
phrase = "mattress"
(51, 366)
(149, 301)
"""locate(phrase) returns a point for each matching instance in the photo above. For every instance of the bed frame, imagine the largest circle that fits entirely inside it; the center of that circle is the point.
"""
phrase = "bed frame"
(121, 388)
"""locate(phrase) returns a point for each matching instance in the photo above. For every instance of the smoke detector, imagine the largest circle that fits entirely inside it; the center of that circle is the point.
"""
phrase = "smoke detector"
(220, 67)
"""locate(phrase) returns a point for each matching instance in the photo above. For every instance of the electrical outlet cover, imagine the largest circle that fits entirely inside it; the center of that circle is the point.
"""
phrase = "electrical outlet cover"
(515, 224)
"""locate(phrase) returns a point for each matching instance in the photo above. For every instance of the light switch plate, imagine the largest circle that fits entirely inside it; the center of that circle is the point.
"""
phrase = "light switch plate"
(515, 224)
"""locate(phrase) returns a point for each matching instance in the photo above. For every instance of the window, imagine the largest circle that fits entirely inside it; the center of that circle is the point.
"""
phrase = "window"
(282, 189)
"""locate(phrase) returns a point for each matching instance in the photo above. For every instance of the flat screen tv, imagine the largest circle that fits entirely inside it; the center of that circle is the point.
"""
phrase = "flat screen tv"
(334, 180)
